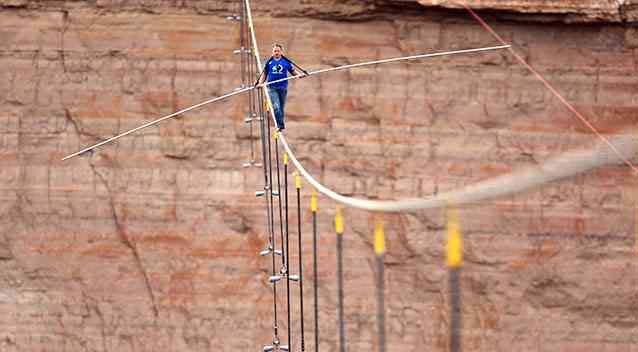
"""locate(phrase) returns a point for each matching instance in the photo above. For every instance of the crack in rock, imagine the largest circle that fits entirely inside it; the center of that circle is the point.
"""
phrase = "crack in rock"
(76, 125)
(127, 242)
(119, 227)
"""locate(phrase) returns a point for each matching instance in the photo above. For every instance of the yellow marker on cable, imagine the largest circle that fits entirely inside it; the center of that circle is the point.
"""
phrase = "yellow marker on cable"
(339, 221)
(285, 158)
(454, 242)
(297, 180)
(275, 134)
(379, 238)
(313, 201)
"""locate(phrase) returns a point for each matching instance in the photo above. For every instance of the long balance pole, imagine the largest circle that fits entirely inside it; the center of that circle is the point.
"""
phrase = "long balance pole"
(246, 89)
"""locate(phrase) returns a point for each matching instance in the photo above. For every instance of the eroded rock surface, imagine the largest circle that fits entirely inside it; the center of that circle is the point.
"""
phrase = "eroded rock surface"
(151, 244)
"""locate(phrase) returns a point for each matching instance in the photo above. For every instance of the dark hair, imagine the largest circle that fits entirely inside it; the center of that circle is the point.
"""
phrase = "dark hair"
(280, 46)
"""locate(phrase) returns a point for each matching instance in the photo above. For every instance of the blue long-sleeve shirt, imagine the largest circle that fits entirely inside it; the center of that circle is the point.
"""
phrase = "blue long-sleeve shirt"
(278, 69)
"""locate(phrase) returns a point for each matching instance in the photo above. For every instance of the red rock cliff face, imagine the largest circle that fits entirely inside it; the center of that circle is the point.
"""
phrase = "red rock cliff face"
(151, 244)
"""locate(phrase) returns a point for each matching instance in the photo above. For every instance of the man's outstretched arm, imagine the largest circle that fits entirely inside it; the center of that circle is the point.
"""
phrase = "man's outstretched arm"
(297, 73)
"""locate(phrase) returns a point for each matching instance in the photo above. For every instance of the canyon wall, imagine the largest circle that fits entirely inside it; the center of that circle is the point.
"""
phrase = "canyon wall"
(151, 244)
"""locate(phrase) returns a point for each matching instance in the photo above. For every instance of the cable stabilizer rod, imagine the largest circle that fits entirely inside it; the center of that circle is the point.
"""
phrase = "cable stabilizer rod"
(306, 74)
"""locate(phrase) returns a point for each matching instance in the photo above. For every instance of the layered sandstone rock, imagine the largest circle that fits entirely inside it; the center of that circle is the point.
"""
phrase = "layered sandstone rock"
(570, 10)
(151, 244)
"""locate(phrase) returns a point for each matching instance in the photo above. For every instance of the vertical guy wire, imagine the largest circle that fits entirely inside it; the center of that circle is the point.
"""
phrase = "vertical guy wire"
(265, 133)
(287, 247)
(245, 76)
(252, 68)
(379, 249)
(339, 231)
(272, 224)
(313, 207)
(284, 261)
(454, 263)
(298, 186)
(266, 167)
(246, 44)
(242, 43)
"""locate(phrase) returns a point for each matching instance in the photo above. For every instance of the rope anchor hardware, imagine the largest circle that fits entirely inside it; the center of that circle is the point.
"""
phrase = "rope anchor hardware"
(275, 347)
(251, 163)
(268, 250)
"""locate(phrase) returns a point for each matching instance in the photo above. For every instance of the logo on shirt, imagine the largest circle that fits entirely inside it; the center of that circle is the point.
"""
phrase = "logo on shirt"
(278, 69)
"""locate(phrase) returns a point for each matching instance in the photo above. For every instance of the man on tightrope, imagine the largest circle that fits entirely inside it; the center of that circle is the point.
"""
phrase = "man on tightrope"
(276, 68)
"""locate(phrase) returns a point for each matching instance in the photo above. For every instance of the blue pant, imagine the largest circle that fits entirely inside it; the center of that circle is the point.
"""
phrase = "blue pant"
(278, 99)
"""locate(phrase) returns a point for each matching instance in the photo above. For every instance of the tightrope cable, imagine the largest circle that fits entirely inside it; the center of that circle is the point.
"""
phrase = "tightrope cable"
(567, 164)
